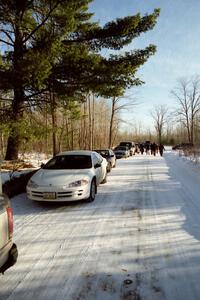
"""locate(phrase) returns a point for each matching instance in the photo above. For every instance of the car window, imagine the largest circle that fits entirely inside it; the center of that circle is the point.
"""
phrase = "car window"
(111, 152)
(121, 148)
(127, 144)
(69, 162)
(104, 153)
(97, 158)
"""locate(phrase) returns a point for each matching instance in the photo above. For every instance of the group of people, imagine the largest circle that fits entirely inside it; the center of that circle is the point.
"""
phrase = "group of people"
(150, 148)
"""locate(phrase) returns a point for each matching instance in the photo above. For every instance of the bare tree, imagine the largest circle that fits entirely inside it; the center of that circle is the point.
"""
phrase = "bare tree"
(116, 107)
(159, 115)
(187, 94)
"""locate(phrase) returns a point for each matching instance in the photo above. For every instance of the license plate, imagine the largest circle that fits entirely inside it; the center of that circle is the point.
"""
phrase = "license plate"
(49, 195)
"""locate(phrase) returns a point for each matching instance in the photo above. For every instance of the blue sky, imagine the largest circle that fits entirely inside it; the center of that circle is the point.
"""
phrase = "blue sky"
(177, 37)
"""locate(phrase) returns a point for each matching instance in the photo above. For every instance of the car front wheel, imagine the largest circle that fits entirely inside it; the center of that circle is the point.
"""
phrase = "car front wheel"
(93, 190)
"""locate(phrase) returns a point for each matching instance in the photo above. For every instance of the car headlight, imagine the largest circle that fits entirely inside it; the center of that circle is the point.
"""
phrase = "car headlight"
(32, 184)
(79, 183)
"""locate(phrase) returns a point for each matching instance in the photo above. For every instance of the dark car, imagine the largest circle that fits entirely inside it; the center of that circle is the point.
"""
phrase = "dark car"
(109, 155)
(130, 145)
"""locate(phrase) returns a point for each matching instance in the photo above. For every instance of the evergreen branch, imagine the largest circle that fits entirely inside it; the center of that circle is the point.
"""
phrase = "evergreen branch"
(117, 34)
(43, 22)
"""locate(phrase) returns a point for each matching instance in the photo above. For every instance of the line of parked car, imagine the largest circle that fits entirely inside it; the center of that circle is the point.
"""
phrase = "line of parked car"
(75, 175)
(68, 176)
(71, 176)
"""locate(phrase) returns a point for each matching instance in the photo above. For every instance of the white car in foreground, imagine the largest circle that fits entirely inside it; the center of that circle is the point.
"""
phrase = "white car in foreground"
(8, 250)
(68, 176)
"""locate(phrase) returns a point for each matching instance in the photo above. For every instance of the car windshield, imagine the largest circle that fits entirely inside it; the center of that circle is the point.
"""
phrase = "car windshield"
(121, 148)
(125, 144)
(69, 162)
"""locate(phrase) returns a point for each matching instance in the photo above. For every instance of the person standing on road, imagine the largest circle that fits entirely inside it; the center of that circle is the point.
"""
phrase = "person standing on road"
(161, 149)
(147, 148)
(141, 147)
(153, 148)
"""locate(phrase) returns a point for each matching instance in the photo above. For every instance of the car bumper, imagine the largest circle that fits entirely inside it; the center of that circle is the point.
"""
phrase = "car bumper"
(11, 259)
(50, 195)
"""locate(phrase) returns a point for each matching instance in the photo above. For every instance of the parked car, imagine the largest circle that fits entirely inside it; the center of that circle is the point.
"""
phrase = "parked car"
(68, 176)
(8, 250)
(109, 155)
(121, 152)
(130, 145)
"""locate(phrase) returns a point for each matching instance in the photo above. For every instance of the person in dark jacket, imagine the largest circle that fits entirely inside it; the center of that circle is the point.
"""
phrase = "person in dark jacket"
(141, 148)
(153, 148)
(161, 149)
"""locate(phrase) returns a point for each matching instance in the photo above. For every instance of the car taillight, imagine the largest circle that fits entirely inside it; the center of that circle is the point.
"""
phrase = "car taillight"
(10, 220)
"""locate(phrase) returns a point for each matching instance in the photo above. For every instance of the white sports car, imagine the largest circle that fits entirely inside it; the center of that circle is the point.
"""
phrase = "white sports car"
(68, 176)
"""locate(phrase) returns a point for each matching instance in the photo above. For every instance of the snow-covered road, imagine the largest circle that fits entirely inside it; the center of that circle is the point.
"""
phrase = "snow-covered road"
(139, 239)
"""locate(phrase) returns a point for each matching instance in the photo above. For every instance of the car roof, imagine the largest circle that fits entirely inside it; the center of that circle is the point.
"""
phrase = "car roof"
(103, 149)
(76, 152)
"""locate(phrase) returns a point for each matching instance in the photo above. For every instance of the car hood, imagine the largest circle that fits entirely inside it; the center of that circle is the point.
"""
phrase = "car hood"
(60, 177)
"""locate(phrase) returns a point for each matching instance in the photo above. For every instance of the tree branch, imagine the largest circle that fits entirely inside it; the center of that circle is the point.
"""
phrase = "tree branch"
(43, 22)
(7, 43)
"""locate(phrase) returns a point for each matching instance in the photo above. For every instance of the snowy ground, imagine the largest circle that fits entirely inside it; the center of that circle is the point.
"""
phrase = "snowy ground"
(35, 159)
(139, 239)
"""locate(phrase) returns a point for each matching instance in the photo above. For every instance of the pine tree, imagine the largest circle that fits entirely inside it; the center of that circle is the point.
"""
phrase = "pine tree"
(52, 46)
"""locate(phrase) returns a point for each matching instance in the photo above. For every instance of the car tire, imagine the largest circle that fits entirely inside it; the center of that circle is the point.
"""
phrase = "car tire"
(114, 166)
(105, 179)
(93, 191)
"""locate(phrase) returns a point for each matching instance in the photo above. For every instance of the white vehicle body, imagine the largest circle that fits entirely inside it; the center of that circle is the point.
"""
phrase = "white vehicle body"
(68, 183)
(109, 155)
(121, 152)
(8, 250)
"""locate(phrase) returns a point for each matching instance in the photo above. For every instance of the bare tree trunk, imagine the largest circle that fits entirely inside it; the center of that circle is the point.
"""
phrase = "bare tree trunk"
(159, 115)
(89, 122)
(93, 119)
(81, 144)
(54, 124)
(2, 144)
(85, 127)
(67, 133)
(111, 122)
(72, 135)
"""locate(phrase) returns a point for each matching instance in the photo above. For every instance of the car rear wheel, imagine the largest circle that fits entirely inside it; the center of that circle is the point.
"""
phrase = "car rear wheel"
(93, 190)
(105, 179)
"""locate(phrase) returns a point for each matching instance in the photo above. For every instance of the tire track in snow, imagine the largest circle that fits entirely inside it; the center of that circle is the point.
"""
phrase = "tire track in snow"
(41, 228)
